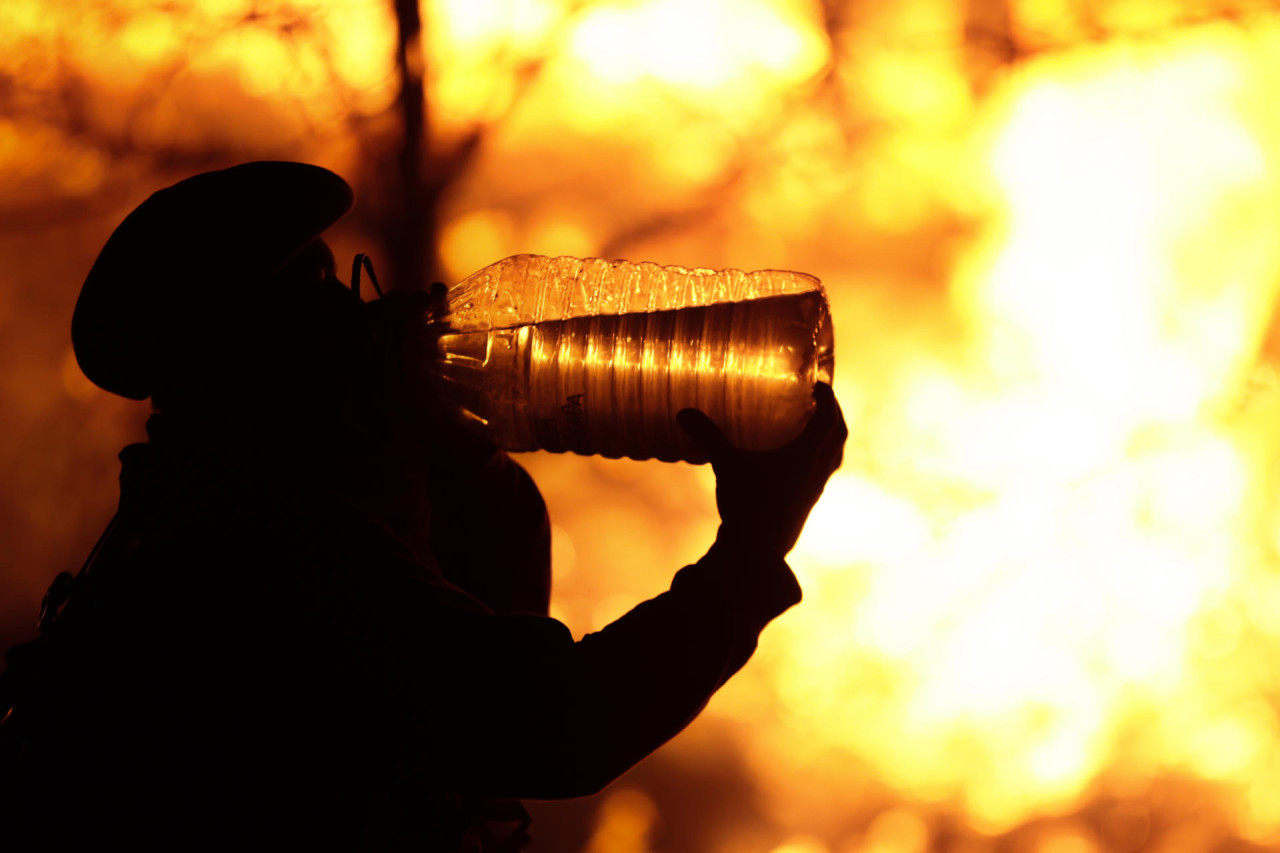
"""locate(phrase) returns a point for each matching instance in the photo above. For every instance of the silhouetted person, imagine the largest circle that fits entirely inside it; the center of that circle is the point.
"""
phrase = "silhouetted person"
(319, 619)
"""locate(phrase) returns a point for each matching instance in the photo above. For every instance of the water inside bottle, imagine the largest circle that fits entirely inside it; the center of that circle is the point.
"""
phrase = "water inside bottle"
(611, 384)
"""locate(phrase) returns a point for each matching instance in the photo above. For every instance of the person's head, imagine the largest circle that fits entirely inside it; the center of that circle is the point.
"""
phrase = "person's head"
(218, 299)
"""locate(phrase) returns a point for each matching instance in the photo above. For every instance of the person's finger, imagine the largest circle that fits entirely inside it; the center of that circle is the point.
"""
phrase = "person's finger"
(705, 434)
(832, 454)
(823, 418)
(827, 451)
(839, 428)
(438, 299)
(826, 407)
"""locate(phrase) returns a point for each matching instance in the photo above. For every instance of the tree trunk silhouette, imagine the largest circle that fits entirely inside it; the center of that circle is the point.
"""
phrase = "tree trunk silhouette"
(412, 247)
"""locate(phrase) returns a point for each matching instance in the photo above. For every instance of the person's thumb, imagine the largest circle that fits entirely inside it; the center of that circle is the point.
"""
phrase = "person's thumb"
(705, 434)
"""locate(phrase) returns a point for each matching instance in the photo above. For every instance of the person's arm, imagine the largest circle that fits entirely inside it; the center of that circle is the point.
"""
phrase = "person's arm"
(511, 706)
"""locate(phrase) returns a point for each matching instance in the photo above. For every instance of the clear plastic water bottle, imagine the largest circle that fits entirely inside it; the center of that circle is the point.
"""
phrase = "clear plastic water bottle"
(596, 357)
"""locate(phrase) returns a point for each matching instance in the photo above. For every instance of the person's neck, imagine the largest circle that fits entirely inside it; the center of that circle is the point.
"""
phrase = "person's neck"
(380, 471)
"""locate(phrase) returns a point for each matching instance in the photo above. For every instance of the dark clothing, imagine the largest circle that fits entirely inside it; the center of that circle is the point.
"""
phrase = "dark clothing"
(259, 662)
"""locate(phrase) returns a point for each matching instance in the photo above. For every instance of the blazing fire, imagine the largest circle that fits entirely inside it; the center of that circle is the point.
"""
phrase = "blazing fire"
(1064, 588)
(1041, 595)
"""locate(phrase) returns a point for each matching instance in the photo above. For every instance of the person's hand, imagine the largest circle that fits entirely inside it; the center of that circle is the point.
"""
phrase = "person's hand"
(764, 497)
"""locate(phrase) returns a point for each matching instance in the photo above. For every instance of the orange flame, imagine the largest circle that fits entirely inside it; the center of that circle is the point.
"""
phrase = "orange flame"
(1086, 556)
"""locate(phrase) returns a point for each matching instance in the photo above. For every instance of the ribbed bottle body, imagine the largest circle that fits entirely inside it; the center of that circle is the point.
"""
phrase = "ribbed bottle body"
(597, 357)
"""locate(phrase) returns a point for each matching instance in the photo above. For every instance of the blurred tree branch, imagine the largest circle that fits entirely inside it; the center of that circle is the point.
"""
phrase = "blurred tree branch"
(411, 231)
(428, 168)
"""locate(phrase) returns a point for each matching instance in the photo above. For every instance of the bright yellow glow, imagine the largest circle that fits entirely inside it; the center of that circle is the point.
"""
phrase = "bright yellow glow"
(706, 44)
(262, 60)
(150, 38)
(1076, 559)
(556, 235)
(1100, 227)
(361, 36)
(473, 241)
(479, 24)
(476, 51)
